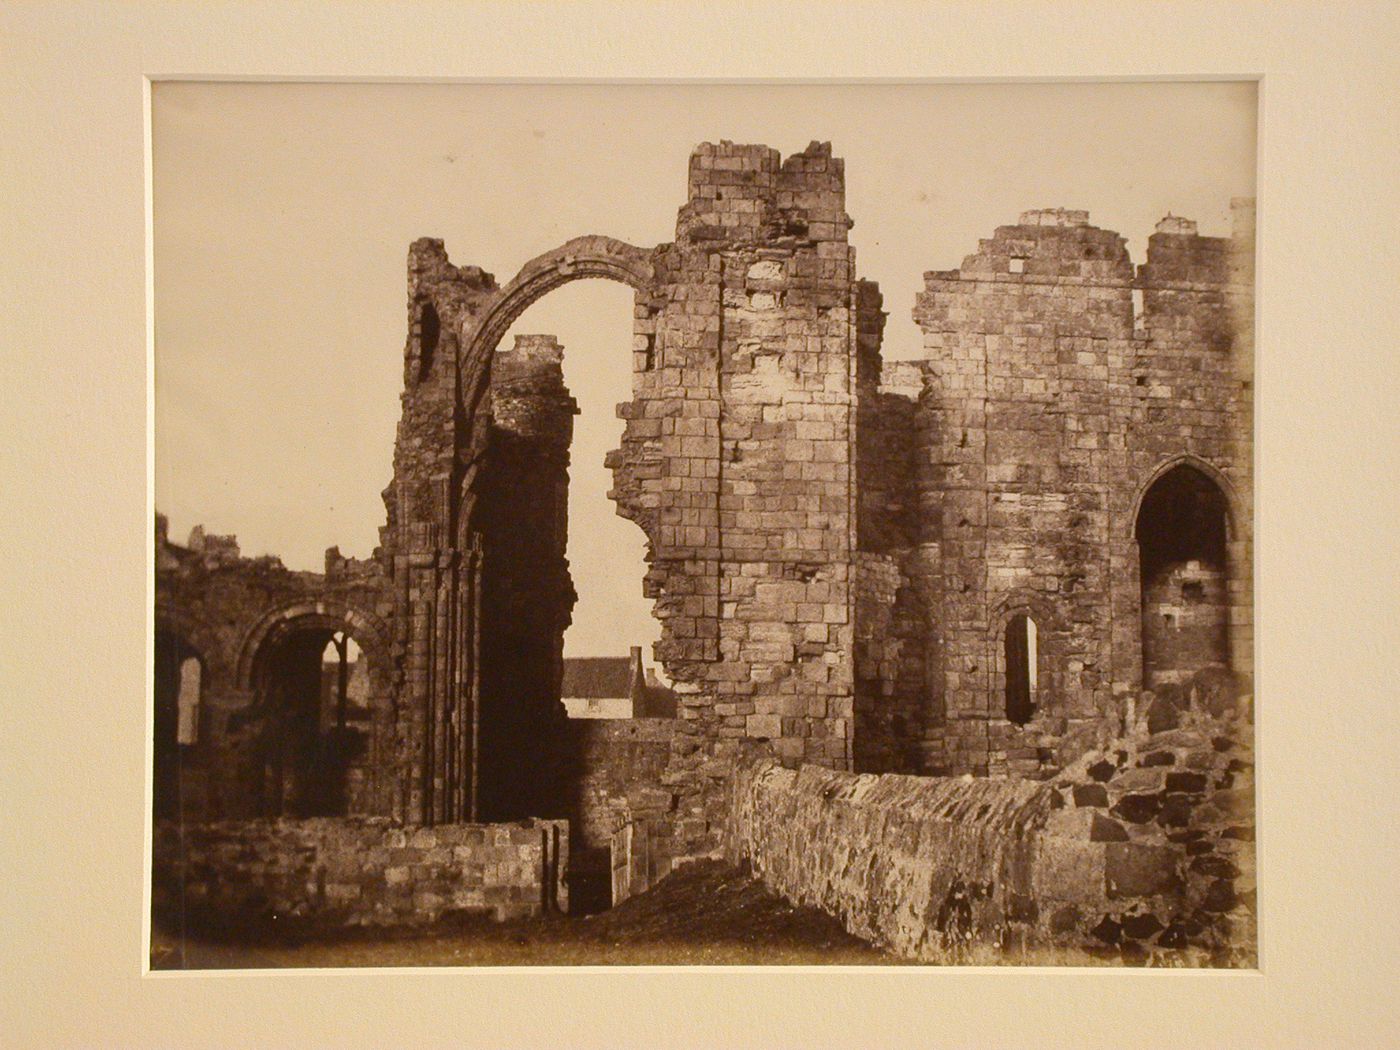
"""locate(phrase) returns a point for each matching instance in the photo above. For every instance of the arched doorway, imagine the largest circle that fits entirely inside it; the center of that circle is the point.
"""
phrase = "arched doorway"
(540, 508)
(1182, 532)
(311, 680)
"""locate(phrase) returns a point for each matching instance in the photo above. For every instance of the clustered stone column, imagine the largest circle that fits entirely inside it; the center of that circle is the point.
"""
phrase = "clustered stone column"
(430, 552)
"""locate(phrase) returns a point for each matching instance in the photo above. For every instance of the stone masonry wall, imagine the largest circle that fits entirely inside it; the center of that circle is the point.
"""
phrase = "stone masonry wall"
(618, 772)
(1190, 401)
(429, 552)
(759, 323)
(1173, 802)
(254, 876)
(1049, 407)
(232, 613)
(1027, 337)
(1142, 851)
(621, 804)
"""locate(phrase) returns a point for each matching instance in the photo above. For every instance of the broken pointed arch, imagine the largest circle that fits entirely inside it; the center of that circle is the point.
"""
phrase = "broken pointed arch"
(1236, 522)
(579, 259)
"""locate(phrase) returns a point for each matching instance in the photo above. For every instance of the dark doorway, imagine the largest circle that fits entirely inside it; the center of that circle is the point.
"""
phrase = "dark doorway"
(1181, 534)
(314, 697)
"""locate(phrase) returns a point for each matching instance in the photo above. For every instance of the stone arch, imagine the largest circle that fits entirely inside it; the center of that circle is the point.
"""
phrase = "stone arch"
(580, 258)
(517, 661)
(1234, 520)
(371, 633)
(307, 755)
(1185, 523)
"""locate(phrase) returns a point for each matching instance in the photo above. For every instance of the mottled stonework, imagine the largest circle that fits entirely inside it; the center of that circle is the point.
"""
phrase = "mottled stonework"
(981, 562)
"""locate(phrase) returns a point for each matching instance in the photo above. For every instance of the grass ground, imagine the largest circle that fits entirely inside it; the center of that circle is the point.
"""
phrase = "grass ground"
(704, 914)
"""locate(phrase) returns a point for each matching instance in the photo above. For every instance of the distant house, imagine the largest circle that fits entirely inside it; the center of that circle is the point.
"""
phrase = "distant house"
(614, 687)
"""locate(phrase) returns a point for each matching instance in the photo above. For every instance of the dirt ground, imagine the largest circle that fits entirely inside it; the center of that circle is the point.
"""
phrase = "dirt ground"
(707, 913)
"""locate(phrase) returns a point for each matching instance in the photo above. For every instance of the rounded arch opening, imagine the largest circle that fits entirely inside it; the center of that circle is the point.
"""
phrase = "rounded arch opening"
(312, 681)
(563, 594)
(601, 335)
(578, 259)
(1182, 529)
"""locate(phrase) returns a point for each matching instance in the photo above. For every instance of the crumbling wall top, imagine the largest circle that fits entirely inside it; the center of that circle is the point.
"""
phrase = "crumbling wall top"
(1047, 246)
(1170, 223)
(747, 194)
(1054, 217)
(541, 348)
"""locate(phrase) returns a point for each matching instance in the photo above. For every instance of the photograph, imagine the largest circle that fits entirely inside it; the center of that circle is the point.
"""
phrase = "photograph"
(734, 525)
(703, 524)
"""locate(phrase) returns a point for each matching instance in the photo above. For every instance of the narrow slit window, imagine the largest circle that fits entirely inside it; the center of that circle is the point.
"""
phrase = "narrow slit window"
(429, 331)
(1022, 672)
(187, 703)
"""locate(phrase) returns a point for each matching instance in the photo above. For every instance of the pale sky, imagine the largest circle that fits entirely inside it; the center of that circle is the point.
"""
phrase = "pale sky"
(283, 215)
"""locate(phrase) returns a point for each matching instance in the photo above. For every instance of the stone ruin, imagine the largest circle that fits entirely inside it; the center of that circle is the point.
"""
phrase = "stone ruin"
(987, 563)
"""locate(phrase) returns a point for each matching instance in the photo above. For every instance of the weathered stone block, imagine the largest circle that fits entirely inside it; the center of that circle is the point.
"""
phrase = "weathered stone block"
(1133, 870)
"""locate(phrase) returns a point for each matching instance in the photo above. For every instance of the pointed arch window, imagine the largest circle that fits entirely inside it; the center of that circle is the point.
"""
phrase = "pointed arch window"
(1022, 672)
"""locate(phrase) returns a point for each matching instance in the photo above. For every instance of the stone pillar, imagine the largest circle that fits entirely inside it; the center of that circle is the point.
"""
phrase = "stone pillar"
(422, 540)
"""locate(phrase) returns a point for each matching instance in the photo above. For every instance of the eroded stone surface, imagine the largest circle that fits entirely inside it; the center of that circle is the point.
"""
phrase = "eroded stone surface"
(846, 556)
(925, 865)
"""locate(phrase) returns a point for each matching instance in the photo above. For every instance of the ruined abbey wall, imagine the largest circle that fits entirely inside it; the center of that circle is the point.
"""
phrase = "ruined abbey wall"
(760, 325)
(1047, 407)
(971, 563)
(306, 876)
(248, 621)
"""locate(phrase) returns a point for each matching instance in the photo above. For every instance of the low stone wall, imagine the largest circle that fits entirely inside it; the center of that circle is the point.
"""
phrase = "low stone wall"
(336, 872)
(1142, 850)
(918, 865)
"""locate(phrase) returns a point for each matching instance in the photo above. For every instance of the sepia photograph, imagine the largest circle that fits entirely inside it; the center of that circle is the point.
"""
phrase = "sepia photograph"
(663, 524)
(734, 525)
